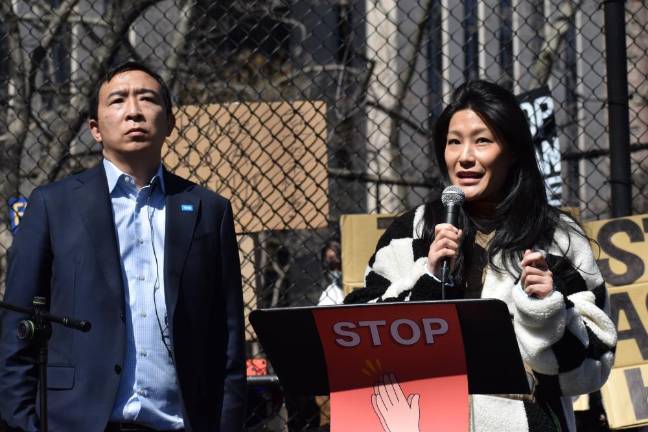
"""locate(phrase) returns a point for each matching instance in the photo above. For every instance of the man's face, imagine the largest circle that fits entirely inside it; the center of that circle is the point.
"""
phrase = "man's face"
(132, 122)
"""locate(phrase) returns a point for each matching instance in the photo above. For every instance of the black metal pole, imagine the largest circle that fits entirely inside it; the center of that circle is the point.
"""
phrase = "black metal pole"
(42, 382)
(42, 336)
(38, 329)
(617, 87)
(81, 325)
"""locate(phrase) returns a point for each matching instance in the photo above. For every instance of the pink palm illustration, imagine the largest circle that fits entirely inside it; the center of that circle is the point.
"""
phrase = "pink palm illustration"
(397, 413)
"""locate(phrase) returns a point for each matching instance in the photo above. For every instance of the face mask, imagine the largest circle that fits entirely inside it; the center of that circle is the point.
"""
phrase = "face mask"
(335, 276)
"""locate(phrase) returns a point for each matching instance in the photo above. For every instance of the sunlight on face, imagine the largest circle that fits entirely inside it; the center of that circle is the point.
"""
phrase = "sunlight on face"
(132, 120)
(477, 162)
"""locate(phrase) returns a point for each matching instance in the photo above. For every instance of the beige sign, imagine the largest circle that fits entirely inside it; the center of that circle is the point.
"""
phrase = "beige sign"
(624, 397)
(630, 314)
(621, 249)
(359, 234)
(269, 159)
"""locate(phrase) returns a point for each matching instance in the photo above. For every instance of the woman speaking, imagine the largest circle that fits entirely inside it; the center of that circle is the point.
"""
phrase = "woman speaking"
(509, 244)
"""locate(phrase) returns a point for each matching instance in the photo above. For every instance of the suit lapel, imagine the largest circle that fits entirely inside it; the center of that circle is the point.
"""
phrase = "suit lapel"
(182, 210)
(96, 212)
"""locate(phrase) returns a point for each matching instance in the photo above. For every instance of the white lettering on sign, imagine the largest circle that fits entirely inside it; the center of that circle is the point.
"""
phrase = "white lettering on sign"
(431, 332)
(340, 329)
(403, 331)
(537, 112)
(542, 125)
(414, 329)
(373, 328)
(549, 157)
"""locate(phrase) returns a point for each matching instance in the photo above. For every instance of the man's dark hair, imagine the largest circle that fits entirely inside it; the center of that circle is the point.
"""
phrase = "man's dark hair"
(125, 67)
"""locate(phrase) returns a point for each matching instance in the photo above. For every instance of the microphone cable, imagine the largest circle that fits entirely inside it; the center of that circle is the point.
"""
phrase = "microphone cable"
(164, 331)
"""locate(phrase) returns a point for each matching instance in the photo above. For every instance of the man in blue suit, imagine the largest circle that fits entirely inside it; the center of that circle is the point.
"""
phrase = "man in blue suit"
(151, 260)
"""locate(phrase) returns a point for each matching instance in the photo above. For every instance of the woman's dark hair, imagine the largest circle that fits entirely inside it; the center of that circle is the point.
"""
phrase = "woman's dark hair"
(523, 217)
(332, 244)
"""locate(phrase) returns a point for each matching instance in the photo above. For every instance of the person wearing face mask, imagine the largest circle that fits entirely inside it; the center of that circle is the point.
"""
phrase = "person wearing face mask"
(332, 263)
(511, 245)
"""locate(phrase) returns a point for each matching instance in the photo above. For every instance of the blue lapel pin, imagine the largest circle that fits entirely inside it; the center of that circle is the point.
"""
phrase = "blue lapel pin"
(186, 207)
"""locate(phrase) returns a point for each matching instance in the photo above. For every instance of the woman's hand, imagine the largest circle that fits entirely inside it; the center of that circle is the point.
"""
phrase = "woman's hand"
(445, 245)
(536, 278)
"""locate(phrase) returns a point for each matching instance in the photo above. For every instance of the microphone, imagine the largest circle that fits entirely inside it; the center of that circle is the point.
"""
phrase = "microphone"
(452, 198)
(81, 325)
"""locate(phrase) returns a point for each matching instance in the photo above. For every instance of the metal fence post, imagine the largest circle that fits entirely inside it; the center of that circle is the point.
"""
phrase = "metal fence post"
(617, 88)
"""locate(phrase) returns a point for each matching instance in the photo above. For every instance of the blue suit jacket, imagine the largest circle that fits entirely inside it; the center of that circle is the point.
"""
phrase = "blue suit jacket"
(66, 249)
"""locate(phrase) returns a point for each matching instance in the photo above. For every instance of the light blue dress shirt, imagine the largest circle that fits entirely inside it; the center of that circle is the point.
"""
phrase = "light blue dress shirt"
(148, 390)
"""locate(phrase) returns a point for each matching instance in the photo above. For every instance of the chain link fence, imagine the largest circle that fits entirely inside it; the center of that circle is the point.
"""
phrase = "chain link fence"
(300, 111)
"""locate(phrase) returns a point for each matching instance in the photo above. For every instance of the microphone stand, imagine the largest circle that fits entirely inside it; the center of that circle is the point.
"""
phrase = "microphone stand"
(38, 329)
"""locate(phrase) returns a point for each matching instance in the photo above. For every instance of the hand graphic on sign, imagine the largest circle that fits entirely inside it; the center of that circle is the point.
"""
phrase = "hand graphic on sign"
(396, 412)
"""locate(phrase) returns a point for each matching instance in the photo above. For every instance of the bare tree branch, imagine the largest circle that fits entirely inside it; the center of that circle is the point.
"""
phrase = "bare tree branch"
(49, 35)
(555, 32)
(178, 43)
(402, 88)
(33, 62)
(77, 162)
(68, 125)
(393, 114)
(18, 113)
(18, 120)
(406, 80)
(60, 131)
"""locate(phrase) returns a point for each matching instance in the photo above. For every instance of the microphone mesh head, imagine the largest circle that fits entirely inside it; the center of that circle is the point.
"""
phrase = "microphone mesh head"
(452, 195)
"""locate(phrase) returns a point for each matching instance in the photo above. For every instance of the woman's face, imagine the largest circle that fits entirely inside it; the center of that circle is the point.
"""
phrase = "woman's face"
(477, 162)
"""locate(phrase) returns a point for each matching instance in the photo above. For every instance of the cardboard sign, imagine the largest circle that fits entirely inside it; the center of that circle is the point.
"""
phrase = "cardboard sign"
(630, 315)
(359, 234)
(624, 394)
(269, 159)
(621, 249)
(625, 397)
(581, 403)
(374, 354)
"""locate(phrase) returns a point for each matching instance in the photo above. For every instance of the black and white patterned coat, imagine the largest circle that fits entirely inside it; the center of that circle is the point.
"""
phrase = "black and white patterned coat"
(566, 338)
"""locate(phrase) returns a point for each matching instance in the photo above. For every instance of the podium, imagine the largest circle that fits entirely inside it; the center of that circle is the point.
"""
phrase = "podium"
(371, 356)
